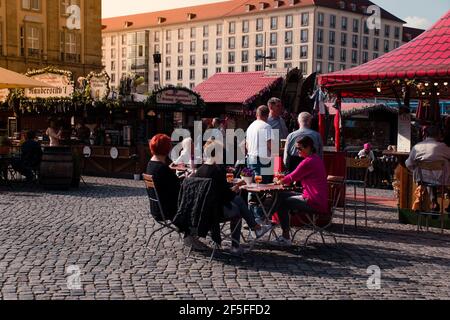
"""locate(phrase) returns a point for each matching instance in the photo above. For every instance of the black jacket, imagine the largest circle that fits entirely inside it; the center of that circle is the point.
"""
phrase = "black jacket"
(198, 212)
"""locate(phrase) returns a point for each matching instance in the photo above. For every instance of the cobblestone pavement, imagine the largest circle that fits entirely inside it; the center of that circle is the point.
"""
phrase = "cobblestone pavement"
(102, 229)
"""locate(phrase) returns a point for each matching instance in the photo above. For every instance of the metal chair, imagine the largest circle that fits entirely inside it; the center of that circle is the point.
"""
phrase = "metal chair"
(155, 205)
(438, 173)
(357, 165)
(315, 221)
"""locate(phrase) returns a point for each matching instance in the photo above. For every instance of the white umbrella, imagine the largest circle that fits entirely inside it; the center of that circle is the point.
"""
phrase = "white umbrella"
(13, 80)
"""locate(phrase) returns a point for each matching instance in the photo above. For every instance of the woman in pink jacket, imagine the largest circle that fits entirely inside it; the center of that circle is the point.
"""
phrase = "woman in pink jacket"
(311, 173)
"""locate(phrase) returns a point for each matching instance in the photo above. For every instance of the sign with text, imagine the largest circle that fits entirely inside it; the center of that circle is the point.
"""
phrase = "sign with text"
(174, 96)
(99, 83)
(404, 133)
(61, 86)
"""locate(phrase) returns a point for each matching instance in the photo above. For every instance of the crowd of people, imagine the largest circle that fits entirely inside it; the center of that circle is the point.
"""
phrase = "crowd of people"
(303, 157)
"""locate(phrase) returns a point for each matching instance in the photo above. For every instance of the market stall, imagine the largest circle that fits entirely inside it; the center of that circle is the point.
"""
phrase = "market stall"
(418, 70)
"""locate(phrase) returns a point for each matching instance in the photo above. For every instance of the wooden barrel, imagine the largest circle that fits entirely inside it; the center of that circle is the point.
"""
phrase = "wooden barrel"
(56, 170)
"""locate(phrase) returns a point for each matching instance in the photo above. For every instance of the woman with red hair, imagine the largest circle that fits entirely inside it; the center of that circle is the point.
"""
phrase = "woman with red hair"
(166, 182)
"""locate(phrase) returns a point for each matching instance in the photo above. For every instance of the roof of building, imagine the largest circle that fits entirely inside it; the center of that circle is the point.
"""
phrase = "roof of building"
(411, 33)
(222, 10)
(236, 88)
(425, 57)
(350, 109)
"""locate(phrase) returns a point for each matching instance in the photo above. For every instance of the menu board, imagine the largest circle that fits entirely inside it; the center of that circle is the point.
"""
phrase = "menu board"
(404, 133)
(99, 84)
(174, 96)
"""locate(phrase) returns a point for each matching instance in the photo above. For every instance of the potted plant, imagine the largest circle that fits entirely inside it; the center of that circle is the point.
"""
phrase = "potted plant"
(247, 175)
(5, 145)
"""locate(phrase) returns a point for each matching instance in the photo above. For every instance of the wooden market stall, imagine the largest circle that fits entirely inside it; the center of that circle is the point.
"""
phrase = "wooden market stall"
(419, 70)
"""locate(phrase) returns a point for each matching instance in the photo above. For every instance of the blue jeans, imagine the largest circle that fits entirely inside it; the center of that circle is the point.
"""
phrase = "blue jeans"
(236, 210)
(288, 201)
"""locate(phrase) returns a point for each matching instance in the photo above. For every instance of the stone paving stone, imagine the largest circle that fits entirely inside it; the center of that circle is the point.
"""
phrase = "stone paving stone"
(102, 229)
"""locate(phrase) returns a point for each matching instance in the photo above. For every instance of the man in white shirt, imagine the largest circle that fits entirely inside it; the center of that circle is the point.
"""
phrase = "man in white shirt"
(430, 150)
(259, 141)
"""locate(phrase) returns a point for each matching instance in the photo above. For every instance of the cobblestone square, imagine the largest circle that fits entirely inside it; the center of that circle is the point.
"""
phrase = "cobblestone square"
(102, 229)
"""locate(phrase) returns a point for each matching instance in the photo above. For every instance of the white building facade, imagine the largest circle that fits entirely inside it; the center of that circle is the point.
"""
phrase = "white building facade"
(196, 42)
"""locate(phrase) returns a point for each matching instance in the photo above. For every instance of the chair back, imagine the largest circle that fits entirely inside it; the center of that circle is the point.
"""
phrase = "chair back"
(358, 165)
(153, 197)
(435, 168)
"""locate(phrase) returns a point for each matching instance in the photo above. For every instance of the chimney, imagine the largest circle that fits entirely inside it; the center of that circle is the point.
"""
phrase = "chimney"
(262, 5)
(191, 16)
(278, 3)
(161, 20)
(127, 24)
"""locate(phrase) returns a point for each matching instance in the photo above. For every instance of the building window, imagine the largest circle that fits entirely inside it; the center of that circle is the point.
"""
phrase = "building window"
(332, 37)
(365, 56)
(376, 32)
(113, 41)
(232, 27)
(231, 57)
(124, 40)
(180, 61)
(259, 24)
(205, 59)
(259, 55)
(156, 36)
(304, 67)
(180, 75)
(205, 45)
(344, 23)
(375, 55)
(387, 31)
(288, 37)
(218, 70)
(304, 36)
(366, 43)
(231, 43)
(320, 19)
(273, 53)
(376, 44)
(244, 56)
(218, 58)
(259, 67)
(168, 75)
(245, 41)
(71, 47)
(244, 69)
(342, 67)
(354, 56)
(305, 19)
(259, 40)
(288, 53)
(124, 52)
(397, 33)
(192, 60)
(124, 65)
(192, 46)
(113, 78)
(303, 52)
(168, 62)
(386, 45)
(180, 47)
(343, 55)
(113, 66)
(219, 29)
(289, 21)
(331, 53)
(332, 21)
(355, 25)
(192, 85)
(320, 35)
(319, 67)
(366, 28)
(355, 41)
(193, 33)
(274, 23)
(273, 39)
(34, 5)
(343, 39)
(230, 69)
(192, 74)
(396, 44)
(245, 26)
(319, 52)
(180, 34)
(168, 35)
(113, 52)
(288, 65)
(330, 67)
(205, 31)
(205, 74)
(168, 48)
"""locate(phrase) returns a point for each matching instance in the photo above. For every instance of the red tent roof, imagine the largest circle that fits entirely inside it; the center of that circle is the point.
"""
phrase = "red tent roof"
(426, 57)
(236, 87)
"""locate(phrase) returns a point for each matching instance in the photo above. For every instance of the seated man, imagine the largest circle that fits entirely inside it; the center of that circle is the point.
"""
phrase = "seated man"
(430, 150)
(312, 174)
(30, 159)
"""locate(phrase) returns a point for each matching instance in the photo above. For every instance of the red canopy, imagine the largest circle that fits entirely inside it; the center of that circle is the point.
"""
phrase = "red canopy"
(426, 58)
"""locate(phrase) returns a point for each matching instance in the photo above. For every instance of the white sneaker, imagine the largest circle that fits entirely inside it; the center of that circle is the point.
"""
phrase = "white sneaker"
(261, 232)
(282, 242)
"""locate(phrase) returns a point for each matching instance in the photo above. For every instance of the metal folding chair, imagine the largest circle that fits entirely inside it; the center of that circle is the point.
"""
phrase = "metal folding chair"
(313, 221)
(438, 172)
(155, 205)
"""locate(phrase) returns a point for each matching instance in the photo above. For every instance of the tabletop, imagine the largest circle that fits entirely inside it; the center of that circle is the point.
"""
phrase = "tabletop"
(180, 167)
(254, 188)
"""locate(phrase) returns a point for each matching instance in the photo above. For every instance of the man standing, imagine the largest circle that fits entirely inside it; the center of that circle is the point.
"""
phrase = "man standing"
(275, 120)
(259, 141)
(291, 158)
(430, 150)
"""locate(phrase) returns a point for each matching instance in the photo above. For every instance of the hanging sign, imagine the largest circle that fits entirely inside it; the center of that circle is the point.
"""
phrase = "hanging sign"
(404, 133)
(174, 96)
(60, 81)
(99, 85)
